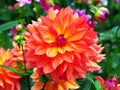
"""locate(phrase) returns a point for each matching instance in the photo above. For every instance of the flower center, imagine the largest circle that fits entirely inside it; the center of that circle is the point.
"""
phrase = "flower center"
(60, 40)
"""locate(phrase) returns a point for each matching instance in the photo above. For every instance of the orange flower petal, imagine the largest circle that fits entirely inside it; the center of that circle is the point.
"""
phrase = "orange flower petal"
(69, 30)
(40, 50)
(48, 68)
(51, 52)
(72, 85)
(52, 14)
(42, 62)
(46, 21)
(57, 61)
(61, 50)
(31, 28)
(77, 36)
(58, 25)
(100, 79)
(37, 86)
(36, 37)
(68, 57)
(70, 47)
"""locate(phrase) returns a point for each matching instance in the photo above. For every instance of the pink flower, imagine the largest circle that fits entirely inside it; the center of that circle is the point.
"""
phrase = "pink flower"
(117, 1)
(24, 2)
(15, 6)
(109, 84)
(46, 4)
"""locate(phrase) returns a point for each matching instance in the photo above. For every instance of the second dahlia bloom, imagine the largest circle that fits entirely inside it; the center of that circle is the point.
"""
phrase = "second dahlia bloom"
(63, 45)
(9, 80)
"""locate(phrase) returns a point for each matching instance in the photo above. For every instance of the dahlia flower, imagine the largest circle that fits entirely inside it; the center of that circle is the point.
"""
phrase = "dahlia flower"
(9, 80)
(63, 45)
(109, 84)
(51, 85)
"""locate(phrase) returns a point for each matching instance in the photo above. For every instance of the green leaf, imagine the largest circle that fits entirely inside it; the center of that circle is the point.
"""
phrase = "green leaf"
(14, 70)
(44, 78)
(90, 77)
(20, 65)
(5, 41)
(97, 85)
(8, 25)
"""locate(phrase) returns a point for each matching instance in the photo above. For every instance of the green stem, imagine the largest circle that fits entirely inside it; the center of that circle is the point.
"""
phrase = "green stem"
(27, 77)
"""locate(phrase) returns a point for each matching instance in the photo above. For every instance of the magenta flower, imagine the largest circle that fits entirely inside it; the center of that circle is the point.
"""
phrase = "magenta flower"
(109, 84)
(46, 4)
(117, 1)
(24, 2)
(13, 31)
(86, 0)
(82, 13)
(15, 6)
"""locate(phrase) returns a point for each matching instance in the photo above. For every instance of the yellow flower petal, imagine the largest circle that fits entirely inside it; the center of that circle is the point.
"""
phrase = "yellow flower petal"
(51, 52)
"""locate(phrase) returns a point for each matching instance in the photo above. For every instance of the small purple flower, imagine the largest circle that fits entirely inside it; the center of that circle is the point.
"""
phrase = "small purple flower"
(86, 0)
(15, 6)
(46, 4)
(10, 7)
(117, 1)
(13, 31)
(24, 2)
(82, 13)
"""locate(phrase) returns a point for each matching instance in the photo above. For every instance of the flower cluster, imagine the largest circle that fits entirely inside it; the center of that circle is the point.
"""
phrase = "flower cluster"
(63, 46)
(10, 80)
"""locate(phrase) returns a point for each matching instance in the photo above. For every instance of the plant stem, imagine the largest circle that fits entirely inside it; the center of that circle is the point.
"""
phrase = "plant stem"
(27, 77)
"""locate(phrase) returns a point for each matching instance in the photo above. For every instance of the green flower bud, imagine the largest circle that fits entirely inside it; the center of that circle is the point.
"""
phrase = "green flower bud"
(19, 27)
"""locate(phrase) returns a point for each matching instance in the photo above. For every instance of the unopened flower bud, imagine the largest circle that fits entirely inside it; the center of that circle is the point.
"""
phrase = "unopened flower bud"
(16, 38)
(102, 14)
(19, 27)
(78, 1)
(35, 9)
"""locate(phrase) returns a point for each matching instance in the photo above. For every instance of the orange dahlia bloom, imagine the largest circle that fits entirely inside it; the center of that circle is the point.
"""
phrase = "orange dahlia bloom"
(9, 80)
(62, 45)
(51, 85)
